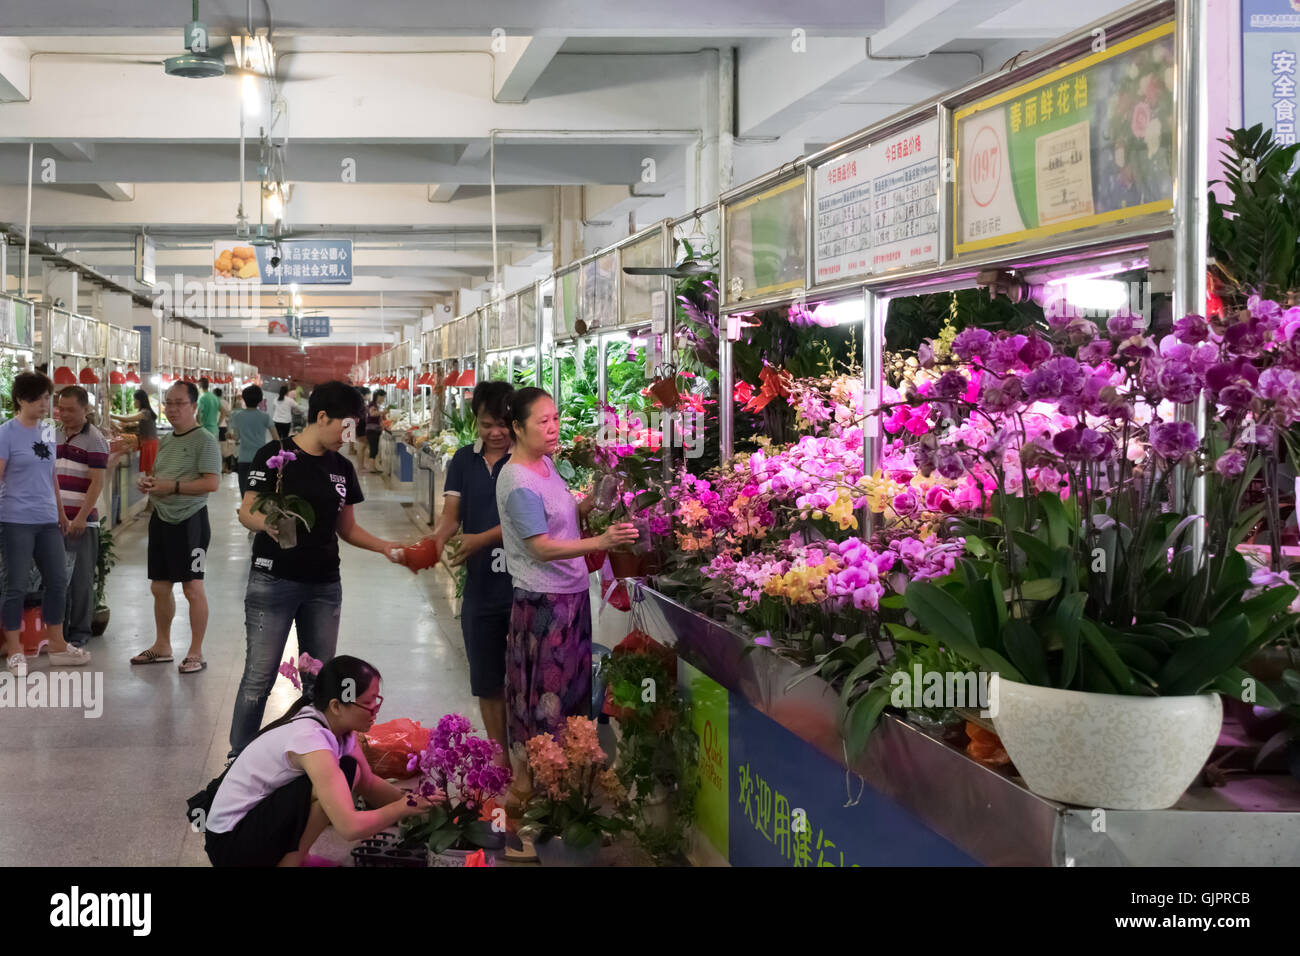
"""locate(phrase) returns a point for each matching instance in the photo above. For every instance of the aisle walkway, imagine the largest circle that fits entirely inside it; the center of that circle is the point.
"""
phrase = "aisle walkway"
(111, 790)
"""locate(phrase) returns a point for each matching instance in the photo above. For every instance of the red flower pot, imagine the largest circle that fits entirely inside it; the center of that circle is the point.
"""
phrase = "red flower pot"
(421, 555)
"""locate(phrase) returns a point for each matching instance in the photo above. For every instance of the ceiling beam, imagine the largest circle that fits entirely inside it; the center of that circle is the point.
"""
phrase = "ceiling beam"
(524, 61)
(442, 192)
(78, 152)
(15, 70)
(118, 192)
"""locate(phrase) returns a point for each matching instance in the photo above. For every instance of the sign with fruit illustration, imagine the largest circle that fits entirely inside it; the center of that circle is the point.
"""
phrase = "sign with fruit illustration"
(301, 261)
(1088, 143)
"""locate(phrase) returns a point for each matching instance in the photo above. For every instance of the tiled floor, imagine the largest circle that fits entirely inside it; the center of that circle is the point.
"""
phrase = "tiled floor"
(111, 791)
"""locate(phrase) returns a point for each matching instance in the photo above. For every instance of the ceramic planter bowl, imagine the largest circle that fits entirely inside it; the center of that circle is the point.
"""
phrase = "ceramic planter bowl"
(555, 852)
(1105, 750)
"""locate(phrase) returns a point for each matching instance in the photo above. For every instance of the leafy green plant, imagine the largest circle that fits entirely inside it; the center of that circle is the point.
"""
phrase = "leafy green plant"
(1254, 237)
(105, 559)
(658, 752)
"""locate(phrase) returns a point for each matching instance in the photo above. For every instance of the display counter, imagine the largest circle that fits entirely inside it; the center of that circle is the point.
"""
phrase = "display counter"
(768, 749)
(124, 498)
(426, 480)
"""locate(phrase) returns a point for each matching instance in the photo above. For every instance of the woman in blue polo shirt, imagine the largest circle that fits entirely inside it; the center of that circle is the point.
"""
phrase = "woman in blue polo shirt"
(470, 504)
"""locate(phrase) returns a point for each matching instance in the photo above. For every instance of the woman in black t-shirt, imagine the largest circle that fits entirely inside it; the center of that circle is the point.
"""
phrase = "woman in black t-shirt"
(300, 584)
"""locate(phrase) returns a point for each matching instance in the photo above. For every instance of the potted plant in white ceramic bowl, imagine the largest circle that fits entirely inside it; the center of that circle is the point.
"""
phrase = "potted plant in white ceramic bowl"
(1111, 611)
(459, 773)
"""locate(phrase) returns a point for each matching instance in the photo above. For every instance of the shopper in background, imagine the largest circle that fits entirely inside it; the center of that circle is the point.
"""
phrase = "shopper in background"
(82, 464)
(300, 585)
(470, 504)
(209, 410)
(548, 648)
(146, 421)
(188, 469)
(282, 414)
(360, 447)
(375, 427)
(33, 522)
(223, 430)
(301, 773)
(254, 429)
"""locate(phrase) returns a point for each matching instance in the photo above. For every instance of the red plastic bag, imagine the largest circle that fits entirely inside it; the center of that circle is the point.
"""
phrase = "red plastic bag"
(389, 746)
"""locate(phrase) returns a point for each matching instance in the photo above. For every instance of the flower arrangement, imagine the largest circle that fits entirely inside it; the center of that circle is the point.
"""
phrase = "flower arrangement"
(573, 785)
(459, 775)
(284, 512)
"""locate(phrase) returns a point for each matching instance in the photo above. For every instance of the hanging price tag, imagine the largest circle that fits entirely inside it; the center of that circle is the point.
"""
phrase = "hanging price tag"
(659, 312)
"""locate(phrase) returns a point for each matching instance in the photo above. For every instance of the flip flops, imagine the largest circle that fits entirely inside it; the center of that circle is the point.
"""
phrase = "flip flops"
(192, 665)
(149, 656)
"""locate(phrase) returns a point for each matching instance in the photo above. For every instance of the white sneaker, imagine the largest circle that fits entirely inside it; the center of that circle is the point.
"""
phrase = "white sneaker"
(73, 657)
(18, 664)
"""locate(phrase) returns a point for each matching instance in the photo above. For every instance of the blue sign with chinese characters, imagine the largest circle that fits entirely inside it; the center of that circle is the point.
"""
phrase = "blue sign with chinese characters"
(1270, 48)
(308, 262)
(314, 326)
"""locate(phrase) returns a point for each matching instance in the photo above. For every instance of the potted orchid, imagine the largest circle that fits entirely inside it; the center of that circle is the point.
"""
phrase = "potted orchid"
(573, 787)
(1099, 598)
(283, 512)
(460, 775)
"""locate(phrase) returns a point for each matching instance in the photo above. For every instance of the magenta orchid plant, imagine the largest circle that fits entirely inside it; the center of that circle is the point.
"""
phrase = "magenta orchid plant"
(460, 776)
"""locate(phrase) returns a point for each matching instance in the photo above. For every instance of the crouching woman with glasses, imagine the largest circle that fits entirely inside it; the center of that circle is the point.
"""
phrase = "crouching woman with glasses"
(300, 774)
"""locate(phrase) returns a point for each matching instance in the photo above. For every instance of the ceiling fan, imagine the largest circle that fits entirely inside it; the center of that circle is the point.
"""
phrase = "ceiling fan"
(683, 270)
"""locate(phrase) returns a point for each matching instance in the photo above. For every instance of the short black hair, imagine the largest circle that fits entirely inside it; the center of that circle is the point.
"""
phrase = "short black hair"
(378, 392)
(77, 392)
(216, 392)
(203, 383)
(336, 399)
(190, 390)
(364, 390)
(29, 387)
(521, 405)
(492, 397)
(252, 396)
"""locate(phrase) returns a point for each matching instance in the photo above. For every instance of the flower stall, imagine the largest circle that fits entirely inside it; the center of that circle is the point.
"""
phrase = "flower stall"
(998, 522)
(17, 324)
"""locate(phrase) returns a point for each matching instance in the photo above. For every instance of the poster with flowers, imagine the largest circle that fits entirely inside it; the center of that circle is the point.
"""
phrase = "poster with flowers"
(1088, 143)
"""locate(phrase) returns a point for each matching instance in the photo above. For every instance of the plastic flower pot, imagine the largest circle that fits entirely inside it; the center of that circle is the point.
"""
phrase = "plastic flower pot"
(665, 390)
(555, 852)
(1114, 751)
(421, 555)
(628, 564)
(287, 532)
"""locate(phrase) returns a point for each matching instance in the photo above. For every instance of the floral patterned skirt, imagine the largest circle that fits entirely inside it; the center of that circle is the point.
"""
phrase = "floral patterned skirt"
(548, 663)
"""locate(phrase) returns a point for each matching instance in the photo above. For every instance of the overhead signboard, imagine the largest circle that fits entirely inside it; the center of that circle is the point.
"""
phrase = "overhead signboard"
(1089, 143)
(766, 234)
(304, 261)
(877, 208)
(314, 326)
(146, 260)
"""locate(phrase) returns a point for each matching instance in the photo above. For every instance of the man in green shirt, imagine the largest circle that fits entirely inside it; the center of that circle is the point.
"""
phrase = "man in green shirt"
(186, 471)
(209, 410)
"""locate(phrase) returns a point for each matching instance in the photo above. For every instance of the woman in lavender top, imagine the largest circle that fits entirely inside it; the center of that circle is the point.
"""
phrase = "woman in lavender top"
(548, 648)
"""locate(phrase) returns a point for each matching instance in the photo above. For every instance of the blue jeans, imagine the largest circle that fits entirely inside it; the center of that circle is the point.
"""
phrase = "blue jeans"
(271, 606)
(22, 543)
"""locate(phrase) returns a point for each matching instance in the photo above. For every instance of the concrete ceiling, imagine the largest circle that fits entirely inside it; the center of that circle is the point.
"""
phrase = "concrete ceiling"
(577, 99)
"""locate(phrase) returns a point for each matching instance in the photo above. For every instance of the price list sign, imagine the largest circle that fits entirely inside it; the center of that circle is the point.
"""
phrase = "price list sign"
(877, 208)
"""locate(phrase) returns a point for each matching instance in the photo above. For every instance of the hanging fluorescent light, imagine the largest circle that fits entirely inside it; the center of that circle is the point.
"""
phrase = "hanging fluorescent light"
(275, 205)
(252, 96)
(1094, 296)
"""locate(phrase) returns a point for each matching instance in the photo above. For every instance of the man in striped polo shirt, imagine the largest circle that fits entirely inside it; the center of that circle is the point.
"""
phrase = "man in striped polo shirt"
(81, 468)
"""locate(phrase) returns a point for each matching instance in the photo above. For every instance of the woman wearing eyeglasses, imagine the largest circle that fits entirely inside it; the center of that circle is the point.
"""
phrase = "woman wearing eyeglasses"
(301, 774)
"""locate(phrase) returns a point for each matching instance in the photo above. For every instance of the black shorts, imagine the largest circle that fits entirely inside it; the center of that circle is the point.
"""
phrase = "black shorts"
(272, 828)
(484, 632)
(179, 552)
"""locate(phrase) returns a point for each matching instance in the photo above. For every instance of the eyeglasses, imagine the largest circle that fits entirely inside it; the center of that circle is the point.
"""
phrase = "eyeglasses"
(373, 708)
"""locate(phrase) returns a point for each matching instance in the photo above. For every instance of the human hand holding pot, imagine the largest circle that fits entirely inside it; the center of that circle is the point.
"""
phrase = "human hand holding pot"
(617, 534)
(469, 543)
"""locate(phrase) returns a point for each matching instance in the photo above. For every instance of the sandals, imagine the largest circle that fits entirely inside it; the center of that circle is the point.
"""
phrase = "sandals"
(192, 665)
(150, 656)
